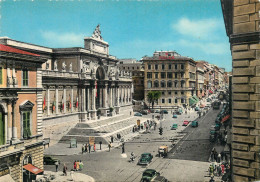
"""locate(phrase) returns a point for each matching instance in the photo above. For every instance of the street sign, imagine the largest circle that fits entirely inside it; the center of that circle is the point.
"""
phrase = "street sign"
(91, 140)
(73, 143)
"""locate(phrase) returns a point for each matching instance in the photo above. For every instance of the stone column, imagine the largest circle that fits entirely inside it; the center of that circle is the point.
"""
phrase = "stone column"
(72, 109)
(84, 100)
(105, 98)
(57, 100)
(93, 90)
(9, 121)
(64, 100)
(111, 97)
(88, 102)
(48, 100)
(14, 126)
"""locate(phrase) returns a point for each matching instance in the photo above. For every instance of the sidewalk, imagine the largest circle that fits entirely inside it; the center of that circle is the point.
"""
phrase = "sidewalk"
(71, 176)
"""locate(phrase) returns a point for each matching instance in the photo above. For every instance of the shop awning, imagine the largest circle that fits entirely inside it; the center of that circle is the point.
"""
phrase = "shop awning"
(32, 169)
(196, 98)
(192, 101)
(210, 91)
(225, 118)
(6, 178)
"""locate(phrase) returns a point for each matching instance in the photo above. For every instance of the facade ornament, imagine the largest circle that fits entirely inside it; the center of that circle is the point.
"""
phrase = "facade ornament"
(97, 33)
(63, 66)
(70, 67)
(55, 66)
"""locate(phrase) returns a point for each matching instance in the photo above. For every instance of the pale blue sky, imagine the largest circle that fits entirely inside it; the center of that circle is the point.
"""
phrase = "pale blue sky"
(193, 28)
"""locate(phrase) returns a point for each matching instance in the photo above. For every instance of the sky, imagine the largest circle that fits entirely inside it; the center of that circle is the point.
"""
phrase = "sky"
(133, 29)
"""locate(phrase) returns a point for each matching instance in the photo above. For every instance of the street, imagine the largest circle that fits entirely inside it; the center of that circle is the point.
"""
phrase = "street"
(186, 161)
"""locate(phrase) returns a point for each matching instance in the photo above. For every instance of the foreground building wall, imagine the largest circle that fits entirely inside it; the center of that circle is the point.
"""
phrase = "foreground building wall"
(242, 26)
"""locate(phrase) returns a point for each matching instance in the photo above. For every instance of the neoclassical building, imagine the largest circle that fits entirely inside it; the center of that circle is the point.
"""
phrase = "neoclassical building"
(80, 84)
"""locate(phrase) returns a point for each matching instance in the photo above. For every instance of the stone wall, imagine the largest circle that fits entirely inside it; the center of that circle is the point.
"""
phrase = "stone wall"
(246, 91)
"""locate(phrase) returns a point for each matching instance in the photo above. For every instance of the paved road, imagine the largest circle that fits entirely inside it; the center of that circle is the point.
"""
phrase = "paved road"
(114, 166)
(195, 145)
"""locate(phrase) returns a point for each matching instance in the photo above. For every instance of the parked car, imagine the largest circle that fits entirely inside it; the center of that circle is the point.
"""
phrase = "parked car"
(157, 111)
(185, 123)
(138, 114)
(174, 116)
(144, 112)
(145, 159)
(174, 127)
(149, 175)
(195, 124)
(164, 111)
(48, 160)
(197, 109)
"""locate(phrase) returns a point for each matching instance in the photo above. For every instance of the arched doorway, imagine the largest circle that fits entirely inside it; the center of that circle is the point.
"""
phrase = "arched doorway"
(100, 76)
(2, 127)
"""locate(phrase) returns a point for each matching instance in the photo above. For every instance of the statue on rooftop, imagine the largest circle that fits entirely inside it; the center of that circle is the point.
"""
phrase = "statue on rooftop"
(97, 33)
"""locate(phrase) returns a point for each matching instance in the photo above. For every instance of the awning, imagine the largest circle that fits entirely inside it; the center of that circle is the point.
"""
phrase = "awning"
(192, 101)
(196, 98)
(225, 118)
(210, 91)
(32, 169)
(6, 178)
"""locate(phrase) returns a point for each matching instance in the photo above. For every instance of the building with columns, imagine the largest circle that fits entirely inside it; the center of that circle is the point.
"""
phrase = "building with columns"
(21, 142)
(80, 84)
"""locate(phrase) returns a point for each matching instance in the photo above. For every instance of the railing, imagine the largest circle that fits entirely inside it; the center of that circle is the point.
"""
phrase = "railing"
(52, 73)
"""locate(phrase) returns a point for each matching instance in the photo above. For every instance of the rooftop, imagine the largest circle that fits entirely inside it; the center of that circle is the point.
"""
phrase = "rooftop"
(14, 50)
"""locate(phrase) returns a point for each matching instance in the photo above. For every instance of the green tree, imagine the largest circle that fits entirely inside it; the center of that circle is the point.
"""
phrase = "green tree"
(153, 96)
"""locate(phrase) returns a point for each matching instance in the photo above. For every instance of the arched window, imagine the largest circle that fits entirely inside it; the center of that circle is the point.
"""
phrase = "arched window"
(176, 84)
(149, 84)
(162, 84)
(156, 83)
(182, 83)
(169, 84)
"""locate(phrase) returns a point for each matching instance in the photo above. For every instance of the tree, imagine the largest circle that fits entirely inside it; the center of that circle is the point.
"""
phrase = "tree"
(153, 96)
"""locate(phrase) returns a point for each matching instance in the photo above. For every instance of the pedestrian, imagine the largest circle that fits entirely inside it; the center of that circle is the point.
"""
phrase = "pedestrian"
(112, 139)
(94, 147)
(222, 168)
(212, 170)
(216, 155)
(89, 147)
(80, 165)
(65, 170)
(133, 129)
(219, 157)
(219, 170)
(77, 165)
(123, 147)
(57, 165)
(212, 156)
(109, 146)
(83, 148)
(100, 143)
(86, 148)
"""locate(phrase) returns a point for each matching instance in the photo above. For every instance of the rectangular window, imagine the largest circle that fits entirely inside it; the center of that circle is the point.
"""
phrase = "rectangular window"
(176, 93)
(182, 66)
(182, 93)
(156, 67)
(156, 75)
(176, 101)
(169, 66)
(176, 66)
(169, 75)
(162, 66)
(176, 75)
(162, 74)
(182, 75)
(25, 77)
(149, 75)
(170, 100)
(162, 93)
(26, 124)
(182, 100)
(149, 67)
(169, 93)
(163, 101)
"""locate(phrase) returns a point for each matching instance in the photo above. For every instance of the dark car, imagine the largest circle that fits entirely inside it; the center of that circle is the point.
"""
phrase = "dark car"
(144, 112)
(164, 111)
(149, 175)
(145, 159)
(195, 124)
(48, 160)
(138, 114)
(174, 127)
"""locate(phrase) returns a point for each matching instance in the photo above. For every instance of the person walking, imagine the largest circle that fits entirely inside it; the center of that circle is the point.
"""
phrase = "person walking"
(65, 170)
(222, 168)
(57, 165)
(219, 170)
(86, 148)
(123, 147)
(100, 143)
(222, 155)
(89, 147)
(219, 157)
(216, 155)
(94, 147)
(80, 165)
(77, 165)
(109, 146)
(212, 156)
(112, 139)
(83, 148)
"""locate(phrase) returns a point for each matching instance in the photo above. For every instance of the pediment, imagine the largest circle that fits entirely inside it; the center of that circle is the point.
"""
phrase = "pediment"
(26, 105)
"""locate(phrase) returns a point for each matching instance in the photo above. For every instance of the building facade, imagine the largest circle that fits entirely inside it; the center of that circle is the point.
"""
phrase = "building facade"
(137, 70)
(79, 84)
(21, 144)
(171, 74)
(242, 27)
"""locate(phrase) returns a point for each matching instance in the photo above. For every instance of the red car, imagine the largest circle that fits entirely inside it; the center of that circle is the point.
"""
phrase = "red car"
(185, 123)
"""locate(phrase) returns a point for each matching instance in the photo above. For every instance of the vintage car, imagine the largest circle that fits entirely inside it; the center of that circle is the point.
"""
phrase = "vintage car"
(138, 114)
(163, 151)
(145, 159)
(195, 124)
(174, 127)
(149, 175)
(197, 109)
(185, 123)
(48, 160)
(174, 116)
